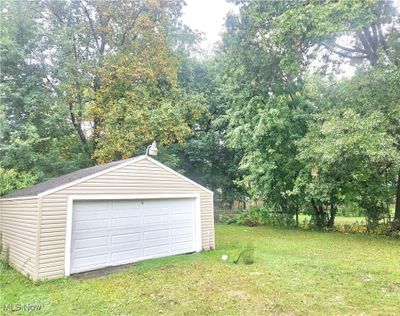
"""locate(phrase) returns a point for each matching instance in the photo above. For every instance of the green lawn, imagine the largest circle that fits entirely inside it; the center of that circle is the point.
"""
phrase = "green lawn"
(342, 220)
(296, 272)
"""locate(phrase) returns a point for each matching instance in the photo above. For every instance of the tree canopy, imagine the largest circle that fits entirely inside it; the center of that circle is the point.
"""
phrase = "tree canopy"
(299, 106)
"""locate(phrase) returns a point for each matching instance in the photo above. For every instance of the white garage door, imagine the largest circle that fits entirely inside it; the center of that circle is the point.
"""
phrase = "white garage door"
(107, 233)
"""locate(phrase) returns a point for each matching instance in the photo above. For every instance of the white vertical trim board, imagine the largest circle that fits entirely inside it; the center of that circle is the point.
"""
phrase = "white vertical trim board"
(72, 198)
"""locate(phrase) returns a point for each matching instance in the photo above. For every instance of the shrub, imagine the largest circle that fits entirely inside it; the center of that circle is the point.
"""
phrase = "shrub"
(224, 217)
(387, 229)
(12, 180)
(254, 216)
(5, 257)
(348, 229)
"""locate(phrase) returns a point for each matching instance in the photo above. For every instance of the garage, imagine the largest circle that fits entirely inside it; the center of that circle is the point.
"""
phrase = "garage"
(107, 215)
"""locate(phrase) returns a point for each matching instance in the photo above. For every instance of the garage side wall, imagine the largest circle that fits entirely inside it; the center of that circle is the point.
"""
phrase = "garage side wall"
(19, 230)
(142, 177)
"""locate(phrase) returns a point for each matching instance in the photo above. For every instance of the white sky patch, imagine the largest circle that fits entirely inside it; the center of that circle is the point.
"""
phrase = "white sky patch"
(207, 17)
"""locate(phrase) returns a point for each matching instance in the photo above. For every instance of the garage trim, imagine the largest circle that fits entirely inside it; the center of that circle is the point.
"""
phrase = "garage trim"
(72, 198)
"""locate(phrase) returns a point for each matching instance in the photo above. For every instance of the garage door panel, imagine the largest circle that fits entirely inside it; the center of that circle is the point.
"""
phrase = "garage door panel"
(156, 250)
(87, 234)
(182, 218)
(126, 255)
(93, 251)
(179, 203)
(156, 234)
(186, 245)
(183, 238)
(181, 231)
(126, 221)
(126, 238)
(121, 213)
(92, 206)
(106, 233)
(83, 215)
(125, 247)
(155, 204)
(127, 205)
(156, 219)
(91, 224)
(91, 242)
(87, 263)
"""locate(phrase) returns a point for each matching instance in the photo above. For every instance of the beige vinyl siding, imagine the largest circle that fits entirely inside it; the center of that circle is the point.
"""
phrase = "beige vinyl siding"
(19, 228)
(141, 177)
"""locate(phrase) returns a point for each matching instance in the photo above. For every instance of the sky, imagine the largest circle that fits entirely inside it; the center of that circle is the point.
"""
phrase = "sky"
(208, 17)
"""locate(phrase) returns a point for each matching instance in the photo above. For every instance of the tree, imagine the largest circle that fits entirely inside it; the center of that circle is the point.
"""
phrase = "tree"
(347, 158)
(267, 55)
(205, 156)
(261, 82)
(140, 101)
(11, 180)
(85, 38)
(35, 135)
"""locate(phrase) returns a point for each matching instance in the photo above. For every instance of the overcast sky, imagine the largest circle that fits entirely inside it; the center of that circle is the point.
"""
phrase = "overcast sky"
(208, 17)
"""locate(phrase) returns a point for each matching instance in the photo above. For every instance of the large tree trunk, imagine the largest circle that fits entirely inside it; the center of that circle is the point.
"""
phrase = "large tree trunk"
(331, 220)
(397, 207)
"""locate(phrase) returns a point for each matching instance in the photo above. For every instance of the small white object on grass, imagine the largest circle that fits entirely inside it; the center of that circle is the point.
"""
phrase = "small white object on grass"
(224, 257)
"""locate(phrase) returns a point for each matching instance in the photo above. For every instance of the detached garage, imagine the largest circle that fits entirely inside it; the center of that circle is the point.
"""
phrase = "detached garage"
(106, 215)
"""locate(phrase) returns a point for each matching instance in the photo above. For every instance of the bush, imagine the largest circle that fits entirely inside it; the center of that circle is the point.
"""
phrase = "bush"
(258, 215)
(254, 216)
(349, 229)
(12, 180)
(224, 217)
(385, 229)
(4, 254)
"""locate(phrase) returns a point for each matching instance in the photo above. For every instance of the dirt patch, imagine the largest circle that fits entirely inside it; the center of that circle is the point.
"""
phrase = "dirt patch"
(101, 272)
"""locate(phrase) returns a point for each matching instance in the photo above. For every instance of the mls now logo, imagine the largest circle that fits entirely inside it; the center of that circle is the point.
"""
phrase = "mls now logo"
(21, 307)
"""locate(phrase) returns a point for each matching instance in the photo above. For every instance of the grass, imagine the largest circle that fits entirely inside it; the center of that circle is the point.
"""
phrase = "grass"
(339, 220)
(295, 272)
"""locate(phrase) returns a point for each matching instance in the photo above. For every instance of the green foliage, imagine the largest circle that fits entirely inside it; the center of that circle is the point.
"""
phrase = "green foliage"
(391, 229)
(35, 135)
(4, 254)
(205, 156)
(11, 180)
(261, 215)
(254, 216)
(139, 101)
(309, 143)
(348, 158)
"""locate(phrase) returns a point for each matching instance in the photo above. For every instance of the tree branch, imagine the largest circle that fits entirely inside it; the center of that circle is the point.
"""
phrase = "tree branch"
(352, 50)
(90, 23)
(342, 54)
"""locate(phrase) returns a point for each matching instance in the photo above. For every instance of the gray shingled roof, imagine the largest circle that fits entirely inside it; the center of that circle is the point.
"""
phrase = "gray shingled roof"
(67, 178)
